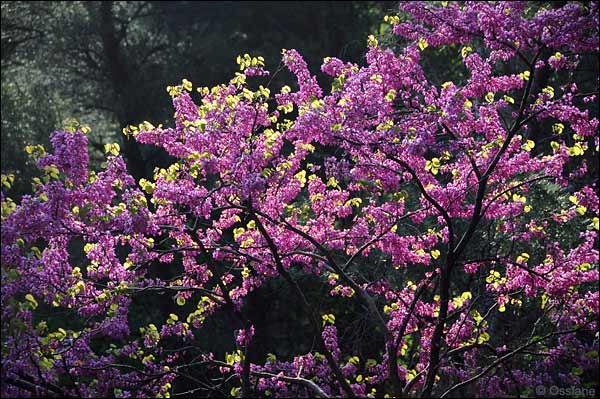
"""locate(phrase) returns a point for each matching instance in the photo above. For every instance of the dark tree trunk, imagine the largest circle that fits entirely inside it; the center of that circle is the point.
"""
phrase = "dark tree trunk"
(120, 81)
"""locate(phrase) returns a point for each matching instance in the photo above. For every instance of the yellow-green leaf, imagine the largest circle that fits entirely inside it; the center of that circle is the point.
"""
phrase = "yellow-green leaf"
(558, 128)
(29, 298)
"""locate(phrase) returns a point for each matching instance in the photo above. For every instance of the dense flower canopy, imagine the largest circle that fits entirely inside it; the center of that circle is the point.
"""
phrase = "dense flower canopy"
(448, 212)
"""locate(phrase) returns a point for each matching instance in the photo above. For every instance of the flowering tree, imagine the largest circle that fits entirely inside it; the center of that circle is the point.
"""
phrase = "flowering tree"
(460, 218)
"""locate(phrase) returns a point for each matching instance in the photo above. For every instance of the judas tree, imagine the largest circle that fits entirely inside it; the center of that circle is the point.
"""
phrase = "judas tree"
(457, 221)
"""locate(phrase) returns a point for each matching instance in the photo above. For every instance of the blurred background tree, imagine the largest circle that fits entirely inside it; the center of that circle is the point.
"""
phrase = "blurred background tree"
(107, 64)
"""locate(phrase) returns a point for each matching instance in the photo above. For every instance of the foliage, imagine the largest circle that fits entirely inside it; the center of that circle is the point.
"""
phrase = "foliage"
(434, 217)
(106, 63)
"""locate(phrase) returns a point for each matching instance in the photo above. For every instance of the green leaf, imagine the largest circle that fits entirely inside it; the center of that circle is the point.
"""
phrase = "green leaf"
(29, 298)
(577, 371)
